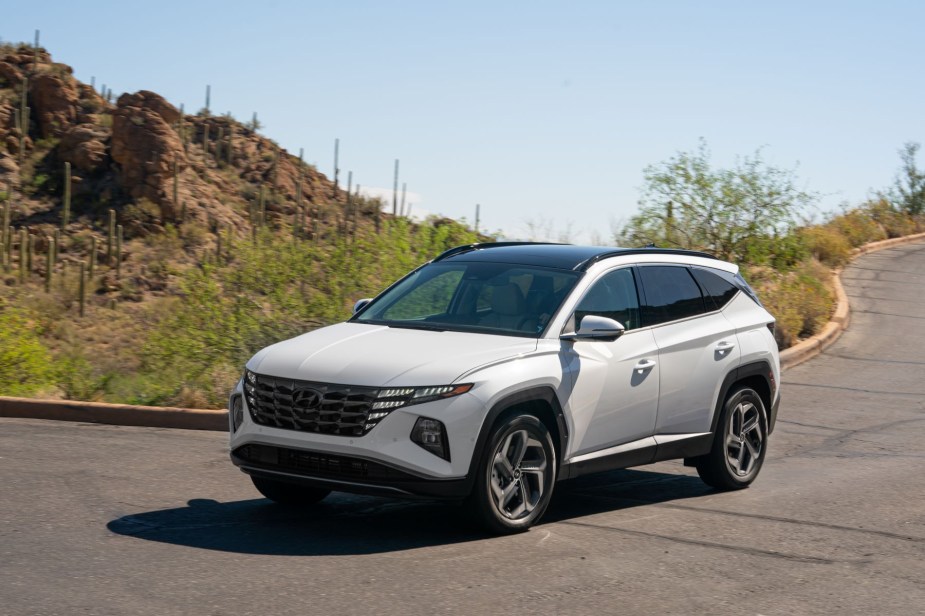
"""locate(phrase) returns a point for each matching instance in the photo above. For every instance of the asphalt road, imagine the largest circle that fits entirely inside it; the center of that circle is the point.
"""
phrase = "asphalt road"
(119, 520)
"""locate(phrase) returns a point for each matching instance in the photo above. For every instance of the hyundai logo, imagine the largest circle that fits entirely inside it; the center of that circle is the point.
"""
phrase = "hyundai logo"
(306, 399)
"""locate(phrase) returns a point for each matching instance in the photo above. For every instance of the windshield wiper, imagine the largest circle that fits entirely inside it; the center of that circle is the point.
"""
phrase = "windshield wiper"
(429, 328)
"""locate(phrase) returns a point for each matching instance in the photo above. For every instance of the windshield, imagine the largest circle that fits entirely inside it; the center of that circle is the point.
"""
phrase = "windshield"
(496, 298)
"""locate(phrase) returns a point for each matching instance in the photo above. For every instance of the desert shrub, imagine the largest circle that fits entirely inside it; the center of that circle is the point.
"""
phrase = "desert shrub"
(857, 227)
(894, 223)
(76, 376)
(801, 300)
(140, 218)
(826, 244)
(25, 363)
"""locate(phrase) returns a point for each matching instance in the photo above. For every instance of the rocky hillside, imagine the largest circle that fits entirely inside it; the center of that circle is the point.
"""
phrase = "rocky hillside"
(140, 156)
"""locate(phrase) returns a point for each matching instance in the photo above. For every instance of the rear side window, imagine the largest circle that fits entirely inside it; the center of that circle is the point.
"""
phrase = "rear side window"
(670, 294)
(716, 291)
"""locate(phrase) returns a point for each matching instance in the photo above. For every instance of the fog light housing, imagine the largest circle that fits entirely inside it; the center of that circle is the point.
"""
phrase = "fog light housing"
(237, 413)
(431, 435)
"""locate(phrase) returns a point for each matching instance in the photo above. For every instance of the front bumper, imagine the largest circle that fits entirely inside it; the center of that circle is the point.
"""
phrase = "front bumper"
(343, 473)
(383, 462)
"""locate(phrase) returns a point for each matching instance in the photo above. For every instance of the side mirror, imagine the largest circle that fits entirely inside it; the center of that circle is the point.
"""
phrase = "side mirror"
(594, 327)
(361, 304)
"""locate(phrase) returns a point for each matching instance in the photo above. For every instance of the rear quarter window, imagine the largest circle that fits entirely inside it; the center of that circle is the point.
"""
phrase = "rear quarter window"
(717, 292)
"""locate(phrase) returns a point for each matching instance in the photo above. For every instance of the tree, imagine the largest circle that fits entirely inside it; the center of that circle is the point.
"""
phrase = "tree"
(733, 213)
(908, 192)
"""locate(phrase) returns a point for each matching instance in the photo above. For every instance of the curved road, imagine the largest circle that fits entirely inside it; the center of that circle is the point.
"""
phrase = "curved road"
(118, 520)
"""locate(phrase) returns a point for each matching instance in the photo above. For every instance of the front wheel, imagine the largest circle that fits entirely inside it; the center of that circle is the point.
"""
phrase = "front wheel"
(288, 493)
(739, 445)
(516, 475)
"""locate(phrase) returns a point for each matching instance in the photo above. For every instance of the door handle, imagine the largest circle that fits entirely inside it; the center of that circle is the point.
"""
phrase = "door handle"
(725, 346)
(643, 365)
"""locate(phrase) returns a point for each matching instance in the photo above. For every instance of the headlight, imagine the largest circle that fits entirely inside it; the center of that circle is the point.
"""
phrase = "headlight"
(391, 398)
(250, 388)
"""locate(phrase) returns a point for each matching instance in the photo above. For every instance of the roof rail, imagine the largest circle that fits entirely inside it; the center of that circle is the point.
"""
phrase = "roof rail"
(584, 265)
(458, 250)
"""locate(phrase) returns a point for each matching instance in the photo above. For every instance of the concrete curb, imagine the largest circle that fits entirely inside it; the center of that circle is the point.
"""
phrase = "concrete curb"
(198, 419)
(116, 414)
(809, 348)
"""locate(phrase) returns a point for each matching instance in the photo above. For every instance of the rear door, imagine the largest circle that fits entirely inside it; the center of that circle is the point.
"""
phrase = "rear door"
(697, 347)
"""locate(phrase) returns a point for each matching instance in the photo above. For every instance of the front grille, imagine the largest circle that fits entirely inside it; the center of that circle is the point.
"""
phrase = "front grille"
(322, 465)
(324, 408)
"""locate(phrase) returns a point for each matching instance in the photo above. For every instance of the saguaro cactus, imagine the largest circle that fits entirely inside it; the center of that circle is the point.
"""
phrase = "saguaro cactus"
(110, 236)
(82, 288)
(118, 252)
(395, 191)
(91, 258)
(336, 169)
(5, 237)
(49, 263)
(35, 53)
(22, 255)
(66, 215)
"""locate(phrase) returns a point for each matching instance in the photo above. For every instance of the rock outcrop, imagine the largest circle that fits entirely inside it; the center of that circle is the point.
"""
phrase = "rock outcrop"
(55, 102)
(145, 147)
(86, 147)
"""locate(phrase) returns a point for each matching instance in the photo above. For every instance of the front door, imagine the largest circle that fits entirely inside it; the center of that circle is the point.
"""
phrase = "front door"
(615, 384)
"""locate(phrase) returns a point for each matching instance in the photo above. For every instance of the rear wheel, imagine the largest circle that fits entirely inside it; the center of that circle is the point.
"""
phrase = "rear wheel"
(739, 445)
(288, 493)
(516, 476)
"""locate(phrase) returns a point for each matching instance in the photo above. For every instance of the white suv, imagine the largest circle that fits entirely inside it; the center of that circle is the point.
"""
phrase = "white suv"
(496, 370)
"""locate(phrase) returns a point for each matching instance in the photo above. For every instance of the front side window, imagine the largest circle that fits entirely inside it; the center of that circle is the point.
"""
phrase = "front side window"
(670, 294)
(613, 296)
(500, 298)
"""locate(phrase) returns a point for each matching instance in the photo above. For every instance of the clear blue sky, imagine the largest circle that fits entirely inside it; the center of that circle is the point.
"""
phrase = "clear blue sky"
(542, 111)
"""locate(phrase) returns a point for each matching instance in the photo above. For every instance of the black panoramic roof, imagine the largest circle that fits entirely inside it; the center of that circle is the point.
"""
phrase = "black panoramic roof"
(559, 256)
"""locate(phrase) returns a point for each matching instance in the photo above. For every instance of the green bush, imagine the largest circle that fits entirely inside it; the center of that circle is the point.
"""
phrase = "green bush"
(893, 222)
(25, 363)
(857, 227)
(827, 245)
(801, 300)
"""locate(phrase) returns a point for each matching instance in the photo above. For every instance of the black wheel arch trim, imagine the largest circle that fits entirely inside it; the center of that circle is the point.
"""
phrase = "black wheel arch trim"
(542, 393)
(761, 368)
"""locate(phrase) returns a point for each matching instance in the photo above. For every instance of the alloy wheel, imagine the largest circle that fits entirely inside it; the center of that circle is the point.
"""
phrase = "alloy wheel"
(744, 439)
(518, 475)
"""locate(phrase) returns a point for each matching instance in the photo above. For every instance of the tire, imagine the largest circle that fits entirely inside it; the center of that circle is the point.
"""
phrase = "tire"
(515, 477)
(289, 494)
(740, 443)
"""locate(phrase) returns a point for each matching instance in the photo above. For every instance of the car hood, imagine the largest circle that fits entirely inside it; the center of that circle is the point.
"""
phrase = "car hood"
(376, 355)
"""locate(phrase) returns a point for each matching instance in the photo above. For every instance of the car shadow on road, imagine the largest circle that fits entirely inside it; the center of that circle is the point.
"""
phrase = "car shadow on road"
(345, 524)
